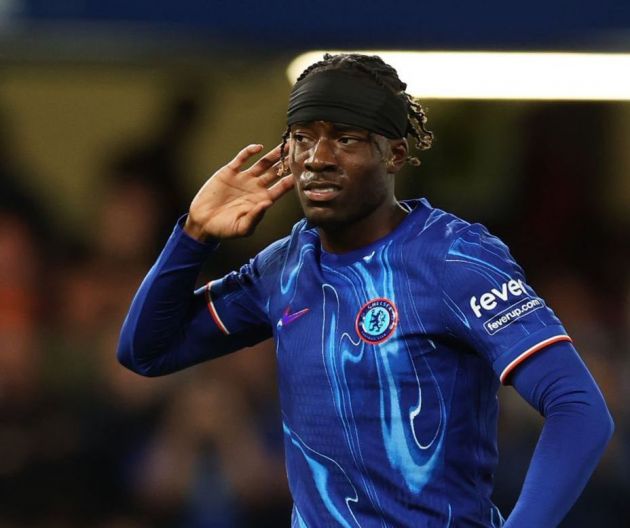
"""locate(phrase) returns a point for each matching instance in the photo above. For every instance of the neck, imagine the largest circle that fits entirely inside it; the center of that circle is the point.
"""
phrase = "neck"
(378, 224)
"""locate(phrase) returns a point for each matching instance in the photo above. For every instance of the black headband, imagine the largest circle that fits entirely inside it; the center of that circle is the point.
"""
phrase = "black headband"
(343, 97)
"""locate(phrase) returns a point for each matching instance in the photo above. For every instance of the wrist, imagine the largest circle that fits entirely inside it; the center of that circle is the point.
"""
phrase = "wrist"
(195, 230)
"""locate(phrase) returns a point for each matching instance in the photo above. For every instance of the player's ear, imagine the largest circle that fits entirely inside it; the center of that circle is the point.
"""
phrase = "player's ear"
(399, 151)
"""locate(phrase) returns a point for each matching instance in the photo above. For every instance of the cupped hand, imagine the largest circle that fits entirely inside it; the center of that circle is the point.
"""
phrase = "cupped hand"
(232, 202)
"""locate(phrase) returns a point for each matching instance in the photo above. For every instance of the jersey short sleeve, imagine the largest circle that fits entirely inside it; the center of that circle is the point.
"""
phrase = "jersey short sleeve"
(488, 304)
(237, 303)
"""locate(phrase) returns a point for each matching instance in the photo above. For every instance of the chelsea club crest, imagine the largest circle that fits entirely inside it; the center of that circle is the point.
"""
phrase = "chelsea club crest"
(376, 321)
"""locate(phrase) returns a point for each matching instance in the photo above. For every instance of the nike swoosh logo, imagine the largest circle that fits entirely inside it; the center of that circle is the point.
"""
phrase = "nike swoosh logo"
(288, 318)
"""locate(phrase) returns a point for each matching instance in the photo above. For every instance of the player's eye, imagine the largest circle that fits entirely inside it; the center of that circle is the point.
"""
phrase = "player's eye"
(348, 140)
(298, 138)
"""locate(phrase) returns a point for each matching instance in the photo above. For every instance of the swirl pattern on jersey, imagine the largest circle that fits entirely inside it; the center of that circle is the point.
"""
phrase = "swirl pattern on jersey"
(412, 447)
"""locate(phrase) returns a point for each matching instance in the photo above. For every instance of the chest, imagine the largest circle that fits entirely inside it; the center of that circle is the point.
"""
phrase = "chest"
(363, 321)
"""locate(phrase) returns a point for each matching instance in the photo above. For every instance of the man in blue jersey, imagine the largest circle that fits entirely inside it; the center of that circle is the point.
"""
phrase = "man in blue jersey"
(394, 323)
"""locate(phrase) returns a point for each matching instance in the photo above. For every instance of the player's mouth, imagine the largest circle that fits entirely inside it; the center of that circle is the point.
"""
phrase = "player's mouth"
(321, 191)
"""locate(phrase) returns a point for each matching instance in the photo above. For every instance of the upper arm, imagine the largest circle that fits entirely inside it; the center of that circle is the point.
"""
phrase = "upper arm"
(557, 376)
(238, 303)
(169, 328)
(488, 304)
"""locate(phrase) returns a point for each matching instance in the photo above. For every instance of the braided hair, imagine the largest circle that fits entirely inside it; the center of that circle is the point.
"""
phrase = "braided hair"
(375, 68)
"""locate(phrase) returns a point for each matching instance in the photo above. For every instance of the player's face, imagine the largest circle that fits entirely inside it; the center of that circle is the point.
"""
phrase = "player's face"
(343, 175)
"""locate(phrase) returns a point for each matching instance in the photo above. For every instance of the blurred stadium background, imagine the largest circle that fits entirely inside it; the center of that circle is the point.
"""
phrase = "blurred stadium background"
(113, 113)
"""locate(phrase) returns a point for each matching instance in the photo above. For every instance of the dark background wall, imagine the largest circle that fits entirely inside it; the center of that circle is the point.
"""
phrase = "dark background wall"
(306, 24)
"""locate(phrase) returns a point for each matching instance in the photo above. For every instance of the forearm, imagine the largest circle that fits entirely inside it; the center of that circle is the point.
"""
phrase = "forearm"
(576, 430)
(167, 327)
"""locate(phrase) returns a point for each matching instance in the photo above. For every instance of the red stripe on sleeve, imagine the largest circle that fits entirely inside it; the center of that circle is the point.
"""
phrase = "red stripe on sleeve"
(523, 356)
(213, 311)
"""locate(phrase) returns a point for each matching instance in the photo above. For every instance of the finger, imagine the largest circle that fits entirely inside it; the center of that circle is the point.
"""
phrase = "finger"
(243, 156)
(281, 187)
(249, 221)
(271, 175)
(265, 162)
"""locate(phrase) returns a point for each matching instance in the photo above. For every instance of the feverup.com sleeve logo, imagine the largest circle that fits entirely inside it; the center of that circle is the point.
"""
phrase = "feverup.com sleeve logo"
(488, 301)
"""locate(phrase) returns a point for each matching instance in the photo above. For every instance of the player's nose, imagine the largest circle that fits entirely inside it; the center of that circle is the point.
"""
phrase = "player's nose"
(322, 157)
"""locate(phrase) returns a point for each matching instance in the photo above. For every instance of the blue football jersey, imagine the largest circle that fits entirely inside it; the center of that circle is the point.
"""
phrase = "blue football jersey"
(390, 358)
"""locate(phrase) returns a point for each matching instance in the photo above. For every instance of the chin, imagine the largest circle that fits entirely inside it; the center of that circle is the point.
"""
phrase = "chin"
(321, 217)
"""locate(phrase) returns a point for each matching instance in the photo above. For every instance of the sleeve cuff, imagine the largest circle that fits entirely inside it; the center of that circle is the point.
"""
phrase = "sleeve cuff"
(210, 245)
(507, 362)
(207, 292)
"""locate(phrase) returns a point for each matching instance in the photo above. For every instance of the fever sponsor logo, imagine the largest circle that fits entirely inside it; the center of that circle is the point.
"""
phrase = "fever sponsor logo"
(488, 301)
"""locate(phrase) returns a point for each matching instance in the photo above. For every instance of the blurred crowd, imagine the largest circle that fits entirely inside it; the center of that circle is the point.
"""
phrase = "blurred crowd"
(86, 443)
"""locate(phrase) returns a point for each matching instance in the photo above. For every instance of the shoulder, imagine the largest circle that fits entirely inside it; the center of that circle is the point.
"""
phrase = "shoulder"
(456, 234)
(448, 244)
(273, 257)
(476, 246)
(437, 231)
(478, 261)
